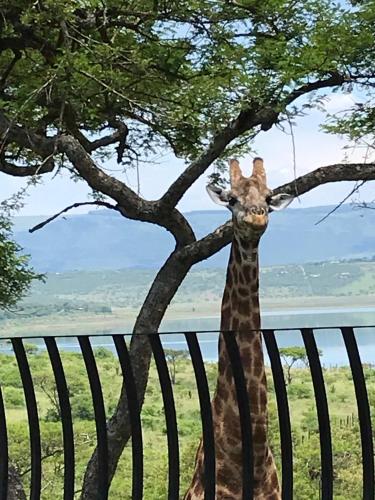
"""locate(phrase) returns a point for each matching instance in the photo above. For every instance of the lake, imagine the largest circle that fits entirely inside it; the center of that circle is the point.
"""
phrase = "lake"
(329, 341)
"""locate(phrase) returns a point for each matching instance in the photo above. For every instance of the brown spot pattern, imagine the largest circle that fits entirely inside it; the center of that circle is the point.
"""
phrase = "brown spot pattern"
(240, 312)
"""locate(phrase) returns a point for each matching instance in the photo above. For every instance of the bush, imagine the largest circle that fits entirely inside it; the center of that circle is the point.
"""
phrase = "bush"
(103, 353)
(14, 398)
(299, 391)
(52, 415)
(10, 376)
(31, 349)
(82, 407)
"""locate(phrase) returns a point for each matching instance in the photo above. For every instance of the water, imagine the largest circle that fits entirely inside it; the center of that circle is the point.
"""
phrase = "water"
(329, 341)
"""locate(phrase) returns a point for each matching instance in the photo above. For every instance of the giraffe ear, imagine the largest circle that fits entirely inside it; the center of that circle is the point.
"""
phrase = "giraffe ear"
(218, 195)
(235, 172)
(279, 201)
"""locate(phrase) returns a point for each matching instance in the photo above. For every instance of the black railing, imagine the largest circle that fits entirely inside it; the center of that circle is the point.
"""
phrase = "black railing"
(200, 357)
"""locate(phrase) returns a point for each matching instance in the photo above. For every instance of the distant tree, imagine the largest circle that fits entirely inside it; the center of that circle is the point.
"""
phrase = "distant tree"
(31, 349)
(290, 356)
(173, 356)
(103, 353)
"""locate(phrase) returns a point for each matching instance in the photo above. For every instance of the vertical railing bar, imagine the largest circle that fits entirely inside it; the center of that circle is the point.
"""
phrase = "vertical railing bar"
(322, 412)
(364, 415)
(66, 416)
(283, 413)
(3, 451)
(206, 415)
(170, 417)
(33, 419)
(99, 412)
(244, 414)
(134, 414)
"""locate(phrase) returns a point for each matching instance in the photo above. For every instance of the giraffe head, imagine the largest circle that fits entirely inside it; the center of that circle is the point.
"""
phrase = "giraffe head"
(249, 199)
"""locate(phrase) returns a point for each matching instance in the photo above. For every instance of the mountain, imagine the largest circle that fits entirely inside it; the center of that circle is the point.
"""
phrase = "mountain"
(105, 240)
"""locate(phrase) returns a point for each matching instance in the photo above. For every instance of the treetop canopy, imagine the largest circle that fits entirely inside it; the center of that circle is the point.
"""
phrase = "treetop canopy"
(145, 75)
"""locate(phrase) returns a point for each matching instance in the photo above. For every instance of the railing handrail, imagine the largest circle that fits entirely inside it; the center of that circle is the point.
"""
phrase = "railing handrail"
(182, 332)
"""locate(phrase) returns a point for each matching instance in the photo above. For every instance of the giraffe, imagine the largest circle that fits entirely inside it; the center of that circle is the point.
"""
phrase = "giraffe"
(250, 201)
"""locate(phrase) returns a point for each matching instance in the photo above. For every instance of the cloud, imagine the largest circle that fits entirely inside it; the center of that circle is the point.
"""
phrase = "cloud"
(339, 102)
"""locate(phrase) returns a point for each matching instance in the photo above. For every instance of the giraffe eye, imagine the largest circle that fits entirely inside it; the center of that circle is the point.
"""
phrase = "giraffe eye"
(232, 201)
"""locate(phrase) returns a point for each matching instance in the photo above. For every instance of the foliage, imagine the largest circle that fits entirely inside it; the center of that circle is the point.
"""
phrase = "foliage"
(345, 432)
(290, 356)
(82, 82)
(82, 407)
(300, 391)
(31, 349)
(357, 123)
(16, 275)
(173, 72)
(172, 356)
(14, 397)
(79, 295)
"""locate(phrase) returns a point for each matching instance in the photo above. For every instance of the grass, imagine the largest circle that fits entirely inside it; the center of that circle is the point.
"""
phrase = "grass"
(302, 408)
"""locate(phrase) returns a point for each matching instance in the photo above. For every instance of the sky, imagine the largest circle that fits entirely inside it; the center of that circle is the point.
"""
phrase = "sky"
(313, 149)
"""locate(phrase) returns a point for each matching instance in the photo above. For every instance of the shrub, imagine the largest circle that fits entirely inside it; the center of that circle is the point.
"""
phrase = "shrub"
(299, 391)
(14, 397)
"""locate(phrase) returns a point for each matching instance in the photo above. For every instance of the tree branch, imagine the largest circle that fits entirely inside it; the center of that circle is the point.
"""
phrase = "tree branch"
(119, 136)
(331, 173)
(253, 116)
(218, 239)
(39, 144)
(209, 245)
(129, 203)
(75, 205)
(354, 190)
(334, 80)
(19, 171)
(50, 454)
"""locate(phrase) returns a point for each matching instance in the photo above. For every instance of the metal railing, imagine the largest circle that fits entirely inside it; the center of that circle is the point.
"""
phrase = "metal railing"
(308, 340)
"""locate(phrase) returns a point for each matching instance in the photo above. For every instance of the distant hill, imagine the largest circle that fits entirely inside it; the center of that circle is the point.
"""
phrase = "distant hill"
(105, 240)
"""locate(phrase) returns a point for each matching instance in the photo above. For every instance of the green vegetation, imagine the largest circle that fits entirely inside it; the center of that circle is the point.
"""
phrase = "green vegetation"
(15, 274)
(291, 356)
(84, 82)
(115, 296)
(346, 440)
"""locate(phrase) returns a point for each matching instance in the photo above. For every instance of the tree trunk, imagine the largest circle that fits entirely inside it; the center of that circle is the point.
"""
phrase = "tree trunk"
(15, 487)
(151, 314)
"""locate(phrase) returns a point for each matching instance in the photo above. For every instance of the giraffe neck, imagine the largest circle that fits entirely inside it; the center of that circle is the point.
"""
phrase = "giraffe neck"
(240, 313)
(240, 304)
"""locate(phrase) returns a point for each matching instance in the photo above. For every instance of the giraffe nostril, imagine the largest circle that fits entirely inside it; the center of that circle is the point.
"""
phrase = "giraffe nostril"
(254, 210)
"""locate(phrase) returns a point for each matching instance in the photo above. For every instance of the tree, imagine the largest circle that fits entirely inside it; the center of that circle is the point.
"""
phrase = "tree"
(82, 82)
(172, 356)
(16, 275)
(290, 356)
(31, 349)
